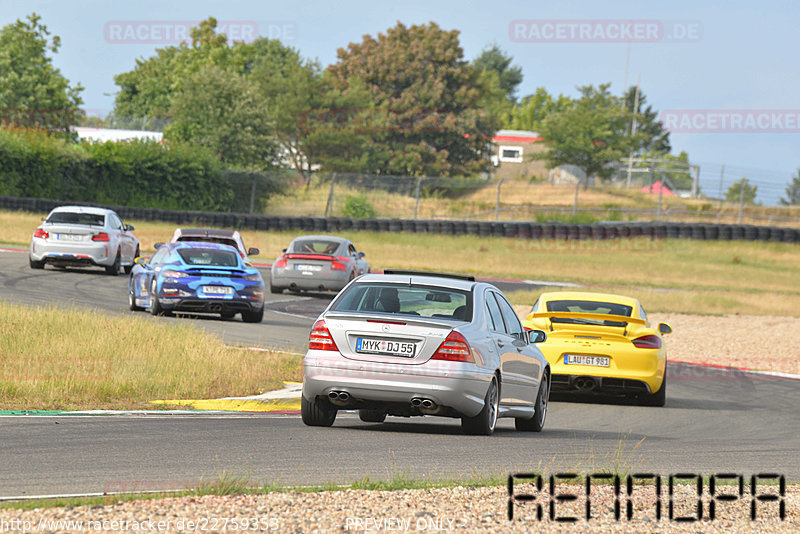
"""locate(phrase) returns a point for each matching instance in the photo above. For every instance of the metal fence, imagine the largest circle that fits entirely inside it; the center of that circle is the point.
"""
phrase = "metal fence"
(411, 197)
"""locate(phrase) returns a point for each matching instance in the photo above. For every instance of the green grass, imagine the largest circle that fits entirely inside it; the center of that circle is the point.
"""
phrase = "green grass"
(62, 359)
(227, 484)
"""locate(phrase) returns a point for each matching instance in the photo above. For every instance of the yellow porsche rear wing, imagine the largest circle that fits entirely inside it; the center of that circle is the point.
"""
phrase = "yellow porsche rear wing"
(591, 316)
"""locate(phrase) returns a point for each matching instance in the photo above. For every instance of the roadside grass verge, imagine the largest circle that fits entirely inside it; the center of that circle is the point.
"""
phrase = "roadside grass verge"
(231, 485)
(667, 275)
(234, 484)
(70, 359)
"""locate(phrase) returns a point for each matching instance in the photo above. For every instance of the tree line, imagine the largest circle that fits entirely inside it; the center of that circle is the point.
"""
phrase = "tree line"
(403, 102)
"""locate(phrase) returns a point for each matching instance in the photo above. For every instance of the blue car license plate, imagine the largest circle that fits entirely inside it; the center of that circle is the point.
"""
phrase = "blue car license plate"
(217, 290)
(385, 347)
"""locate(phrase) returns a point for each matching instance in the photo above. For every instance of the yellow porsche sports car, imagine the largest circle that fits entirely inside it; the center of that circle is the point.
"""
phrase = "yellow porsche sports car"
(600, 343)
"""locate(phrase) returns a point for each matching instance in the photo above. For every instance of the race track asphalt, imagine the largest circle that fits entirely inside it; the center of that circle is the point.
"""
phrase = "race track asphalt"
(714, 422)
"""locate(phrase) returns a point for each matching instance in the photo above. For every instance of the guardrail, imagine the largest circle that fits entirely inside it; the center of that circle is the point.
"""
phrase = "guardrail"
(516, 229)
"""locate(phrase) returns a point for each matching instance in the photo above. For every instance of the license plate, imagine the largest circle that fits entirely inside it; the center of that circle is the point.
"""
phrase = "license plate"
(70, 237)
(579, 359)
(382, 346)
(217, 290)
(308, 267)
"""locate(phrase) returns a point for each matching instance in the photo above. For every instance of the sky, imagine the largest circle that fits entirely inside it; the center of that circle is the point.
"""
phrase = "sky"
(723, 75)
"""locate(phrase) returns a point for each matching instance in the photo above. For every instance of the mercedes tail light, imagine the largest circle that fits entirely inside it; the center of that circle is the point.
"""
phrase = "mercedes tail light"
(648, 342)
(102, 236)
(454, 349)
(41, 233)
(320, 337)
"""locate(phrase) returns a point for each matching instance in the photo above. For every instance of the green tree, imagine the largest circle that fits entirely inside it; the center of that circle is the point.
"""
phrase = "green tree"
(33, 93)
(532, 110)
(653, 138)
(792, 191)
(313, 120)
(493, 59)
(739, 188)
(591, 133)
(427, 116)
(144, 99)
(222, 110)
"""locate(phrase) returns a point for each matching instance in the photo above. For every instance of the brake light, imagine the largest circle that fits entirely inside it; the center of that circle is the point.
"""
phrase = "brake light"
(41, 233)
(338, 264)
(280, 263)
(648, 342)
(454, 349)
(320, 337)
(102, 236)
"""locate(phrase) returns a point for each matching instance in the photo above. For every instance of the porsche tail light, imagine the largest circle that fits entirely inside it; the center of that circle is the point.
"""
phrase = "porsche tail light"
(41, 233)
(339, 264)
(454, 349)
(280, 263)
(648, 342)
(102, 236)
(320, 337)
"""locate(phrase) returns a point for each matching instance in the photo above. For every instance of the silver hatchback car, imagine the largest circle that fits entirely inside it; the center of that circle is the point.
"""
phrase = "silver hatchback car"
(84, 236)
(410, 344)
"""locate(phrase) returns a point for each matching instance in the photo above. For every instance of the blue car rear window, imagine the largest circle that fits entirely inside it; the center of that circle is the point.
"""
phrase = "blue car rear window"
(206, 256)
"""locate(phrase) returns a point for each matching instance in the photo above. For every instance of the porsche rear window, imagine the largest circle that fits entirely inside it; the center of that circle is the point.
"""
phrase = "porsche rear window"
(205, 256)
(424, 301)
(69, 217)
(588, 306)
(218, 240)
(314, 246)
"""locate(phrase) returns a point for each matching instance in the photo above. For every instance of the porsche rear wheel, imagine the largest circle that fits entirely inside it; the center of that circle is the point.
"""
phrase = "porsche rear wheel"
(659, 398)
(155, 306)
(132, 298)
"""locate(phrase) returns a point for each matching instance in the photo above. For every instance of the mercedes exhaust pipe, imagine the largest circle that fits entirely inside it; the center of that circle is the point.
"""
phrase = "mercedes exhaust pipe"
(339, 398)
(425, 406)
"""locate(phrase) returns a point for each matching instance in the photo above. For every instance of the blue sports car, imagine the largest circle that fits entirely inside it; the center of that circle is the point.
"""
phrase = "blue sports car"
(196, 277)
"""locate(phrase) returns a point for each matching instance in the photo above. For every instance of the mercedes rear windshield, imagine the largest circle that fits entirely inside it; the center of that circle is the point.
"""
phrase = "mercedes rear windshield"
(414, 300)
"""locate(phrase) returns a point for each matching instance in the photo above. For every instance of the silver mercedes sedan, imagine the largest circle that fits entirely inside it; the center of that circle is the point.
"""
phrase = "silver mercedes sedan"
(84, 236)
(410, 344)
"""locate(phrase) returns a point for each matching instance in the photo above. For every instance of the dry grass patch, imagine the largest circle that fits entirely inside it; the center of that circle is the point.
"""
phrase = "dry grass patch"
(55, 358)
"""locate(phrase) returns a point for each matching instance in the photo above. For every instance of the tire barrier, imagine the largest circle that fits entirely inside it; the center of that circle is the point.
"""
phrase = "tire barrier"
(508, 229)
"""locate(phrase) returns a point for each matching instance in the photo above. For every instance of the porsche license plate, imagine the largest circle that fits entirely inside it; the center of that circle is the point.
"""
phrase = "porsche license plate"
(384, 347)
(580, 359)
(217, 290)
